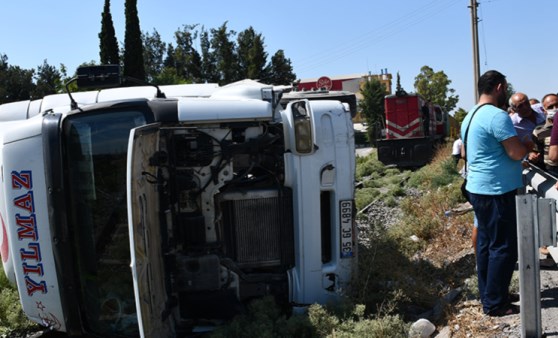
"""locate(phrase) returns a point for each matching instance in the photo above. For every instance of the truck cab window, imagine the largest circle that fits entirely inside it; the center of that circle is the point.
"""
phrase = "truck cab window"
(95, 167)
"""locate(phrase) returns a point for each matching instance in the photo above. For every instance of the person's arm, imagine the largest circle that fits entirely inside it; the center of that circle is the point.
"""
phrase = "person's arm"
(515, 149)
(553, 149)
(553, 153)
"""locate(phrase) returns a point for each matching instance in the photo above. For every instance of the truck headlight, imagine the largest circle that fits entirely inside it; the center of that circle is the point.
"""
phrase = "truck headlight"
(302, 128)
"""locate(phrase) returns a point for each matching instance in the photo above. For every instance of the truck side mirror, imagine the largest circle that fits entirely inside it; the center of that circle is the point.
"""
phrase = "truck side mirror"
(98, 76)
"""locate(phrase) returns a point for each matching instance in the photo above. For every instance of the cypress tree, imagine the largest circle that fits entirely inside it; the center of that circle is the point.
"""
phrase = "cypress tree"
(281, 69)
(252, 56)
(133, 46)
(224, 51)
(108, 45)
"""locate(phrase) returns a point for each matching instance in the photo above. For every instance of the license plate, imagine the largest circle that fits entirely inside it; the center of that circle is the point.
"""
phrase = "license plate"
(346, 214)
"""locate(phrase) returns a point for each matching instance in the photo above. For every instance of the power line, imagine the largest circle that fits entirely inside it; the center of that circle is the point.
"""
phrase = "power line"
(483, 36)
(392, 28)
(386, 31)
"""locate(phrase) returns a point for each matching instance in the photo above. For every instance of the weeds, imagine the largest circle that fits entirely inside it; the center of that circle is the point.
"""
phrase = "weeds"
(12, 318)
(379, 182)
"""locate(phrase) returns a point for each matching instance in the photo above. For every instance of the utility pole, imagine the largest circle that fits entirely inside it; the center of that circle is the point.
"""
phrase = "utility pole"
(476, 63)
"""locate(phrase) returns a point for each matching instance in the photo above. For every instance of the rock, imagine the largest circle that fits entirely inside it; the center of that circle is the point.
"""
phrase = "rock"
(444, 333)
(422, 328)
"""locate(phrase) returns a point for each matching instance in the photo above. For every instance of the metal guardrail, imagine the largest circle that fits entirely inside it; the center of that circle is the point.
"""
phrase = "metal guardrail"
(543, 185)
(536, 227)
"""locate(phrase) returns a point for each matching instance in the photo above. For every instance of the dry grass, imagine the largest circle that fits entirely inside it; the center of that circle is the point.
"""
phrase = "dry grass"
(408, 267)
(469, 321)
(449, 247)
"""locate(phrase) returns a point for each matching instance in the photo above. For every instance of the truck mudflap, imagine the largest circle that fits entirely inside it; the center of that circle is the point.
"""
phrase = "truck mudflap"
(410, 152)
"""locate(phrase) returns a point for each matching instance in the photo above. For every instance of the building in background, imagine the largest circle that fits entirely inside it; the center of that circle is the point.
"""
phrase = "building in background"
(352, 83)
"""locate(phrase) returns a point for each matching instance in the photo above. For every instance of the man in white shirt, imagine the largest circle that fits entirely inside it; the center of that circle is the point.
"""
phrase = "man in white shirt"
(524, 119)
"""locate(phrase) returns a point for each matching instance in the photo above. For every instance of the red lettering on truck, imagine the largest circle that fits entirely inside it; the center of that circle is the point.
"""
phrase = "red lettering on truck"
(26, 227)
(33, 253)
(22, 179)
(25, 202)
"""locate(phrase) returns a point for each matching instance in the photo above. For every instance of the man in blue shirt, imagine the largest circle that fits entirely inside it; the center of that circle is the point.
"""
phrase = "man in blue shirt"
(494, 153)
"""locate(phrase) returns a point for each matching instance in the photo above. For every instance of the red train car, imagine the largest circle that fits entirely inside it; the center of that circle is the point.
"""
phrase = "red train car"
(413, 127)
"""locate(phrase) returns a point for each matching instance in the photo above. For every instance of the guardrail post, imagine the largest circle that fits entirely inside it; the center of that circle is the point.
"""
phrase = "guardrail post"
(536, 219)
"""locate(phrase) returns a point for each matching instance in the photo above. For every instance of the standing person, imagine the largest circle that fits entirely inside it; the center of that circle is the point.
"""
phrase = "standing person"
(525, 118)
(542, 136)
(493, 153)
(456, 150)
(553, 146)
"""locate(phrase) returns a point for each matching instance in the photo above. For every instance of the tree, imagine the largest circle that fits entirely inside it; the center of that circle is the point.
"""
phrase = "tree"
(209, 63)
(48, 80)
(153, 53)
(168, 76)
(252, 57)
(169, 60)
(3, 77)
(281, 69)
(188, 62)
(133, 47)
(108, 45)
(372, 107)
(433, 87)
(398, 89)
(459, 115)
(226, 58)
(17, 84)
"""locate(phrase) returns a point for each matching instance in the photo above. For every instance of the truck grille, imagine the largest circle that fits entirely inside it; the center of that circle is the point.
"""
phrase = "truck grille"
(258, 227)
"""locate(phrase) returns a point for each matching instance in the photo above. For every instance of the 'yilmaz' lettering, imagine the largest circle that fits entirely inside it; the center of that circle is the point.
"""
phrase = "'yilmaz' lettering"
(27, 232)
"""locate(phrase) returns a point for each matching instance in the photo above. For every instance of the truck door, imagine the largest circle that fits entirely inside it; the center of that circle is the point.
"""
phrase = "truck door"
(145, 233)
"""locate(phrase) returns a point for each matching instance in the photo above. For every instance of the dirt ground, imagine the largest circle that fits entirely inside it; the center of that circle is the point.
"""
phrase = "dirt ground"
(470, 322)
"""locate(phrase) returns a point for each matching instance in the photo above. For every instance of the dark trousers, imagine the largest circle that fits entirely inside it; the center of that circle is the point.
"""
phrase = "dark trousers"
(496, 246)
(456, 158)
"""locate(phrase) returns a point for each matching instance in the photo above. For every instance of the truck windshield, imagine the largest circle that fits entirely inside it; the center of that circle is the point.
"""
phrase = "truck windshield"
(95, 169)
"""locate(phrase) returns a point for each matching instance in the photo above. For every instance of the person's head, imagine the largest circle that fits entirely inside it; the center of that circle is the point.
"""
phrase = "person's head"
(533, 101)
(493, 83)
(550, 105)
(521, 105)
(510, 107)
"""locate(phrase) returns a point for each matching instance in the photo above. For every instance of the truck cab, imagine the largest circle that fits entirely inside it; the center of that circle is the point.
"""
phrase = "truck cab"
(144, 211)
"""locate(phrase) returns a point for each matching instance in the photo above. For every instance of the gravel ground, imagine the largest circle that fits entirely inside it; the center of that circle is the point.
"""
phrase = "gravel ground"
(549, 302)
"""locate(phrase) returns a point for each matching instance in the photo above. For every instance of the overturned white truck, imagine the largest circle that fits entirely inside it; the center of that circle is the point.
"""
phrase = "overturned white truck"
(139, 211)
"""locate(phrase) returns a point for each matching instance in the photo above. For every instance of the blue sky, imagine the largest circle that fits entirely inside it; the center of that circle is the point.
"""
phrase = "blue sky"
(517, 37)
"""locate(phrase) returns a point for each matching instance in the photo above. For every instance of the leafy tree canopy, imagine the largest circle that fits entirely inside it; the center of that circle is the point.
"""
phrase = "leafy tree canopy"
(434, 87)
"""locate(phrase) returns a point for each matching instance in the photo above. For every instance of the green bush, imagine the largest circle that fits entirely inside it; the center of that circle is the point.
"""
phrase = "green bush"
(264, 318)
(368, 165)
(365, 196)
(356, 324)
(12, 318)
